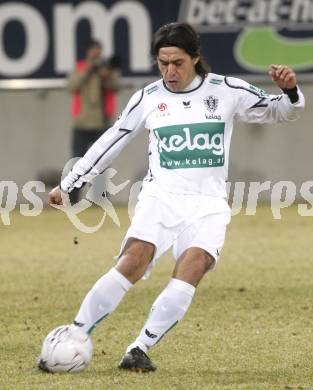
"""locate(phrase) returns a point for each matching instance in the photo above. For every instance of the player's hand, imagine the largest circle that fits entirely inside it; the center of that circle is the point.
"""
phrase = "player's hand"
(57, 197)
(283, 76)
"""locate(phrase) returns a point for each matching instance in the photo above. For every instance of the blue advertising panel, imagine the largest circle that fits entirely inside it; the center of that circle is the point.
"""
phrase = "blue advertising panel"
(42, 39)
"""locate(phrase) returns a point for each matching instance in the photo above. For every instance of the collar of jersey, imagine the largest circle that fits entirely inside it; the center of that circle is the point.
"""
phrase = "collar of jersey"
(180, 92)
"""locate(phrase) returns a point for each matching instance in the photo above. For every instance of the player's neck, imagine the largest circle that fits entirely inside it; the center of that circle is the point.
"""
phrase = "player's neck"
(194, 84)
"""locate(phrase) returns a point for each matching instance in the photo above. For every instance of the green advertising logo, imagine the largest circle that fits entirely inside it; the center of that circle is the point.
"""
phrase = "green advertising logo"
(196, 145)
(257, 48)
(255, 25)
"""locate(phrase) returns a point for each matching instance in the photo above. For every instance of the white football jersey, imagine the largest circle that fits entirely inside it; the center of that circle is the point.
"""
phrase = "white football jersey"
(189, 133)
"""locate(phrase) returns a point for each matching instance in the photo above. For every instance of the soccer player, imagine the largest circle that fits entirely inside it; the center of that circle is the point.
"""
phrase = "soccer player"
(189, 114)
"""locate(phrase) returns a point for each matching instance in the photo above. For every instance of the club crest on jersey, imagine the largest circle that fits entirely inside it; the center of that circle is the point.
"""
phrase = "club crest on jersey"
(211, 103)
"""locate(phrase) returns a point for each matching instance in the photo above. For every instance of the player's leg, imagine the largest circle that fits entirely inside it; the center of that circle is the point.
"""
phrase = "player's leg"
(108, 291)
(139, 251)
(197, 252)
(192, 265)
(169, 308)
(135, 258)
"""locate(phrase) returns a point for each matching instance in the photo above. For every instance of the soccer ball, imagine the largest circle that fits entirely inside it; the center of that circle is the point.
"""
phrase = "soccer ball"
(66, 349)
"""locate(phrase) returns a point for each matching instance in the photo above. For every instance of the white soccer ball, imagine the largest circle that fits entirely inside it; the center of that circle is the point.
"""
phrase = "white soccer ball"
(66, 349)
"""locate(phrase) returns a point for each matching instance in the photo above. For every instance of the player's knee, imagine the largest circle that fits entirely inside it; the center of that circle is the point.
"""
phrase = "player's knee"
(203, 262)
(135, 260)
(209, 261)
(132, 267)
(138, 253)
(193, 265)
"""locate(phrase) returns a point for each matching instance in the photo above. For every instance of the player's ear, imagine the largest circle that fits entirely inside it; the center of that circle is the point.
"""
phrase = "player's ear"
(195, 60)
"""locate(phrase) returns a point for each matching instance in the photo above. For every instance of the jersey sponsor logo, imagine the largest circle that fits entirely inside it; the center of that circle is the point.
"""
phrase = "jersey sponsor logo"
(212, 116)
(162, 106)
(211, 103)
(196, 145)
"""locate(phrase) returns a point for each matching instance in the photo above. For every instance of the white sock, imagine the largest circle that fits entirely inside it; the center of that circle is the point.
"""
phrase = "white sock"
(102, 299)
(169, 308)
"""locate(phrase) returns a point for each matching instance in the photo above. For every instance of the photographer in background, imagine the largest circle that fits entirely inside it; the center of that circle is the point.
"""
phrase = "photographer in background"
(93, 85)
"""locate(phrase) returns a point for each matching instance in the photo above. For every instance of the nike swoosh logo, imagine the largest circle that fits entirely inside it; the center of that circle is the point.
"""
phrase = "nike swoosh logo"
(257, 48)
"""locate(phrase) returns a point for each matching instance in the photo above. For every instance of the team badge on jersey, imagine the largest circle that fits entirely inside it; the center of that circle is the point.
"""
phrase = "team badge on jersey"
(211, 103)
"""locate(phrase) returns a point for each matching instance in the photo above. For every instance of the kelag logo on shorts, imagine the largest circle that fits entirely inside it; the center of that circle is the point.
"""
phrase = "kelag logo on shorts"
(194, 145)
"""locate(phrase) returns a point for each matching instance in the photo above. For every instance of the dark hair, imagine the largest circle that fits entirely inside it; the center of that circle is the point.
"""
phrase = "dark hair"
(183, 36)
(90, 44)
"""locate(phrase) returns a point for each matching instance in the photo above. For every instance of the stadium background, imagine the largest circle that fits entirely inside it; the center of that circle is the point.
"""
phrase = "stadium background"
(38, 47)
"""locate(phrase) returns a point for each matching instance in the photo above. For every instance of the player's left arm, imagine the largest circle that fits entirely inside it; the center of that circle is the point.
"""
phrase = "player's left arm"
(283, 76)
(255, 105)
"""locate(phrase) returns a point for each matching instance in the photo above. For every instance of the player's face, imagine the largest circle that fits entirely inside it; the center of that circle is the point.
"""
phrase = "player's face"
(177, 67)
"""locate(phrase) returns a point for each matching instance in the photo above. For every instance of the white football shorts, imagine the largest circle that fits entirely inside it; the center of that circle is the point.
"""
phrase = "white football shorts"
(180, 221)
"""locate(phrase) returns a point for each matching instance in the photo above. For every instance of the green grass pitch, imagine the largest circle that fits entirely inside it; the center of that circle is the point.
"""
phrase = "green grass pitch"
(249, 327)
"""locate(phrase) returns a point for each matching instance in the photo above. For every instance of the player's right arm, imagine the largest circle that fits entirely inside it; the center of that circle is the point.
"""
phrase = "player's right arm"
(56, 198)
(104, 150)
